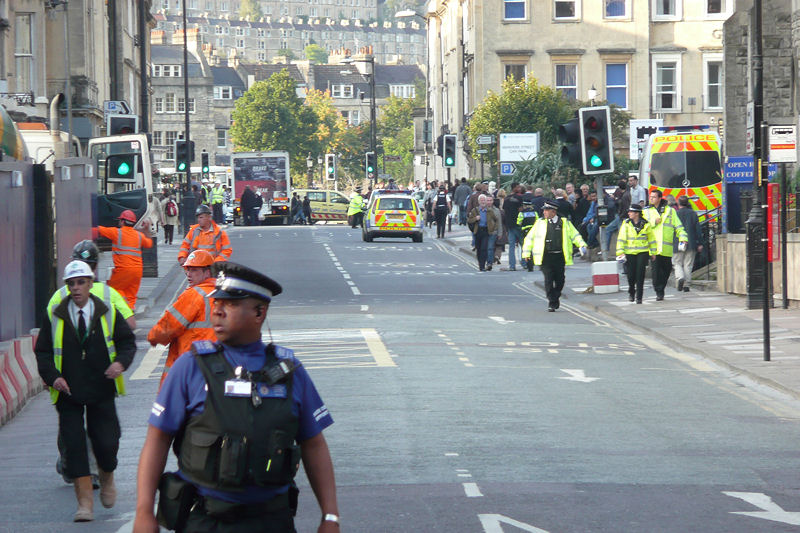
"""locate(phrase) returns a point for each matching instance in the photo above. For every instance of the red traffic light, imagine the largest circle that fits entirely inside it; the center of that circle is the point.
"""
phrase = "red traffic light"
(592, 123)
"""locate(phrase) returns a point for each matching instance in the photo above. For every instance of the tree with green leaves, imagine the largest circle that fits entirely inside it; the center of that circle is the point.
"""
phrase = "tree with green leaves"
(250, 9)
(316, 54)
(285, 53)
(270, 116)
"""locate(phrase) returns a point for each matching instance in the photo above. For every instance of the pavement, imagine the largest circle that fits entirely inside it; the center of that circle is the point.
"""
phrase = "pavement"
(714, 325)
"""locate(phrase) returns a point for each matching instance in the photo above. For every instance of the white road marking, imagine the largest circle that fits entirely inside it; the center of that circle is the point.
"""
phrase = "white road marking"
(501, 320)
(770, 510)
(355, 291)
(492, 523)
(149, 363)
(576, 374)
(365, 308)
(697, 364)
(451, 454)
(471, 490)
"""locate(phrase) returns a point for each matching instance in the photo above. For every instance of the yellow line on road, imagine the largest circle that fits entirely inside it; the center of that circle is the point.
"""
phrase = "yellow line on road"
(377, 348)
(149, 362)
(695, 363)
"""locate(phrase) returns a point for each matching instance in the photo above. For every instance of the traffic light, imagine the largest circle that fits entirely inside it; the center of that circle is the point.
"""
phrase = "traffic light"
(330, 167)
(184, 154)
(597, 155)
(122, 124)
(371, 165)
(569, 134)
(204, 168)
(449, 151)
(121, 167)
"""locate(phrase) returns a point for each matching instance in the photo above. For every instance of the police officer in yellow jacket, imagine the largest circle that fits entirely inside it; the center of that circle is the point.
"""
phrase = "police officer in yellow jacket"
(82, 349)
(549, 244)
(636, 243)
(355, 211)
(665, 224)
(526, 218)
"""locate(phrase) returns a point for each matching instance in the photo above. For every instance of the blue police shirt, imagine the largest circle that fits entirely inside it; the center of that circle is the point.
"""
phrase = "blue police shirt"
(184, 392)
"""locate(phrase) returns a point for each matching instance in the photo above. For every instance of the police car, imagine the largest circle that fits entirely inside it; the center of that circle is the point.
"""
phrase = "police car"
(392, 214)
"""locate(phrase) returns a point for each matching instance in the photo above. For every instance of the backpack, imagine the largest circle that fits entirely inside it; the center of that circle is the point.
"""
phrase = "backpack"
(171, 209)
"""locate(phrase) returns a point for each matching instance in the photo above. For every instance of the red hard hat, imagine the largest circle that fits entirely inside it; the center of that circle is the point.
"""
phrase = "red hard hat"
(128, 216)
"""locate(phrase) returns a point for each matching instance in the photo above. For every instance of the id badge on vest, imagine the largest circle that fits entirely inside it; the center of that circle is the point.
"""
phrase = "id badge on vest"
(238, 387)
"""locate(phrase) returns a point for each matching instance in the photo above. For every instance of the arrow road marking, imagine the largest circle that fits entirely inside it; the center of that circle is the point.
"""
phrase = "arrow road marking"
(501, 320)
(576, 374)
(771, 510)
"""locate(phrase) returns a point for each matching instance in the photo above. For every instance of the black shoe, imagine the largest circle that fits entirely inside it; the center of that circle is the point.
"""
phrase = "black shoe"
(638, 300)
(489, 266)
(95, 482)
(557, 304)
(659, 297)
(630, 297)
(551, 309)
(680, 285)
(686, 288)
(483, 269)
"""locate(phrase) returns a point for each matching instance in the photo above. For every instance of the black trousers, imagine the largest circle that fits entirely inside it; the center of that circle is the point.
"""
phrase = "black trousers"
(441, 221)
(481, 242)
(104, 432)
(169, 230)
(635, 267)
(553, 270)
(662, 268)
(216, 210)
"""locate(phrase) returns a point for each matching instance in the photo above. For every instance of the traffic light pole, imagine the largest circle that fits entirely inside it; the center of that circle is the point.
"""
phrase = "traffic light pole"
(188, 207)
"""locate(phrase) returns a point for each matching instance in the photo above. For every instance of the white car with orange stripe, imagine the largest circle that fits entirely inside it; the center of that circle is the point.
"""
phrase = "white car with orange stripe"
(686, 160)
(393, 215)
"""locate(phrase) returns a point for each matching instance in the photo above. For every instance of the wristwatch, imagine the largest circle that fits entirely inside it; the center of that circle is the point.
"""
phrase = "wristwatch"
(330, 517)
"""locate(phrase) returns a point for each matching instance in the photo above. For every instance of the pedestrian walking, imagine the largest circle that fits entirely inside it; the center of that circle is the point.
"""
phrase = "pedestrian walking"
(170, 208)
(244, 415)
(460, 197)
(205, 235)
(484, 223)
(666, 225)
(683, 256)
(441, 209)
(126, 251)
(246, 205)
(549, 245)
(636, 243)
(307, 210)
(492, 257)
(188, 318)
(217, 199)
(511, 209)
(88, 252)
(82, 350)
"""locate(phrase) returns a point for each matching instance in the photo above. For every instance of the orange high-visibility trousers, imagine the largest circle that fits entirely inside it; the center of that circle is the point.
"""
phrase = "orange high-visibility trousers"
(126, 281)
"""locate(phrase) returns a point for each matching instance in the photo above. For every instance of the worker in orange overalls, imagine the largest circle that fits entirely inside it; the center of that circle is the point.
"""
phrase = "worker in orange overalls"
(187, 319)
(126, 250)
(207, 236)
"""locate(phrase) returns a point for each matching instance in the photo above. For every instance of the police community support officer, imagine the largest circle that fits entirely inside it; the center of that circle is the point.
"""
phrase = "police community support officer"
(82, 349)
(636, 243)
(239, 447)
(550, 243)
(440, 211)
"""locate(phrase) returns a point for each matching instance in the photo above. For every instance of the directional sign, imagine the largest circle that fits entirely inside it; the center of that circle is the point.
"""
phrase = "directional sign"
(481, 152)
(116, 107)
(388, 158)
(576, 374)
(518, 146)
(507, 169)
(485, 139)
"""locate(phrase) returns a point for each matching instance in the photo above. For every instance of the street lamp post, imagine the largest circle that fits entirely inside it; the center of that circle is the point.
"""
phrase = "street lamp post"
(310, 171)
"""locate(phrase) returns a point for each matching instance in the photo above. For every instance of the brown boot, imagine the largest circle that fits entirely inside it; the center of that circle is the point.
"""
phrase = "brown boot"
(85, 496)
(108, 491)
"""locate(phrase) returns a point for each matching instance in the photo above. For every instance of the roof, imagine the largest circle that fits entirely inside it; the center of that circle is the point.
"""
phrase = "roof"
(226, 76)
(264, 71)
(318, 24)
(172, 54)
(397, 74)
(327, 75)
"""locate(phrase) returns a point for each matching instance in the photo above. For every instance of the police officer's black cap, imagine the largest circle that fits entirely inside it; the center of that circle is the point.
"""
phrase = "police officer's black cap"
(550, 204)
(635, 207)
(236, 281)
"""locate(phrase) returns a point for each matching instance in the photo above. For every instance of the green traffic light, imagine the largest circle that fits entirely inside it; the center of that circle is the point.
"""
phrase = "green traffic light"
(596, 161)
(370, 169)
(448, 161)
(123, 169)
(205, 169)
(181, 166)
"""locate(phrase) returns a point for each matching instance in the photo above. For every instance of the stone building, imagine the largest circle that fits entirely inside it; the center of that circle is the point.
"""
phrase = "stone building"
(103, 59)
(261, 40)
(654, 59)
(339, 9)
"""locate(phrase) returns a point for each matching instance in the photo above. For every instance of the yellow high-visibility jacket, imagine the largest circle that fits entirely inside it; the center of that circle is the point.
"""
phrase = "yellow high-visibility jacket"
(631, 241)
(534, 241)
(665, 230)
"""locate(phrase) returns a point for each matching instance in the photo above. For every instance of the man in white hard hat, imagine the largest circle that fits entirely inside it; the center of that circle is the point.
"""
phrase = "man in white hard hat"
(82, 349)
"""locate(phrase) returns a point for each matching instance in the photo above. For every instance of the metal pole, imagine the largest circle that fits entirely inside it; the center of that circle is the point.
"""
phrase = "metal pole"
(188, 197)
(767, 281)
(373, 130)
(481, 168)
(784, 259)
(144, 121)
(67, 83)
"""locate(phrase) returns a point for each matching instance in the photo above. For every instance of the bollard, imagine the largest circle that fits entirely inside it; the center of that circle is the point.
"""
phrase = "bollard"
(605, 277)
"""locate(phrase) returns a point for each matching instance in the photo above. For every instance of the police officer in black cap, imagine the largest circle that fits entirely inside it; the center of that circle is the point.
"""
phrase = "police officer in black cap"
(242, 415)
(549, 245)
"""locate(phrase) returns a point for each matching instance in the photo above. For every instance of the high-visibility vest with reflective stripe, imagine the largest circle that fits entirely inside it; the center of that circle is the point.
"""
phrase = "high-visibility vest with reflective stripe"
(665, 230)
(356, 205)
(214, 242)
(533, 245)
(57, 330)
(126, 245)
(217, 195)
(110, 297)
(632, 242)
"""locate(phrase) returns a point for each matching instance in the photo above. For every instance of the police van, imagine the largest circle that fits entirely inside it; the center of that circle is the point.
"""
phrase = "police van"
(330, 206)
(684, 160)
